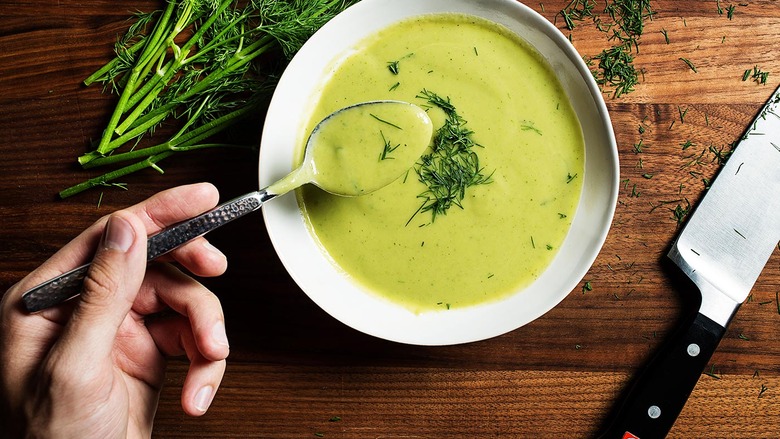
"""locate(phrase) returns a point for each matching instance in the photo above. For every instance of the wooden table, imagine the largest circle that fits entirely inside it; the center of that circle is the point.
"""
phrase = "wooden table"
(295, 372)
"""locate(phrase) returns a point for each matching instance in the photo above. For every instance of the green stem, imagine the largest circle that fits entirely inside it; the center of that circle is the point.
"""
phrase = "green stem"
(182, 142)
(149, 50)
(100, 74)
(150, 162)
(172, 67)
(239, 60)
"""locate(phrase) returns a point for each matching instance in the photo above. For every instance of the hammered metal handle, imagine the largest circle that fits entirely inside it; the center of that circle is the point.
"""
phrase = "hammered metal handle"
(68, 285)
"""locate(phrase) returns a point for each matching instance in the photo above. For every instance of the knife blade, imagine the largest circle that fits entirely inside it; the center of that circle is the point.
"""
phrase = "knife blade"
(722, 248)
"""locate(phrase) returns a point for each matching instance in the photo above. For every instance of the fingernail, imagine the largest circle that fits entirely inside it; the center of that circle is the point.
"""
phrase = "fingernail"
(203, 398)
(119, 234)
(220, 337)
(209, 247)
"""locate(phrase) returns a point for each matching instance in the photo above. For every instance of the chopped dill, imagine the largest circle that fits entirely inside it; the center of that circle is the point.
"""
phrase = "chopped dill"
(682, 113)
(759, 76)
(616, 69)
(388, 148)
(666, 35)
(576, 10)
(452, 166)
(393, 67)
(587, 287)
(689, 64)
(385, 121)
(730, 11)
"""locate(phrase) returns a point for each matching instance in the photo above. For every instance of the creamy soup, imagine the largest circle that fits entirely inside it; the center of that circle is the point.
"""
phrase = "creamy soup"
(508, 227)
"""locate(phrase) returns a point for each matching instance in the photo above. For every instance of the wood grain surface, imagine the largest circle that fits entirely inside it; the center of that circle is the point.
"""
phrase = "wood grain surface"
(295, 372)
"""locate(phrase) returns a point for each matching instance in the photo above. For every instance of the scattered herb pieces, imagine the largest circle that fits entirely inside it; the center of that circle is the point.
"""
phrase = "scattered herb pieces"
(393, 67)
(576, 10)
(587, 287)
(730, 11)
(679, 213)
(689, 64)
(387, 149)
(759, 76)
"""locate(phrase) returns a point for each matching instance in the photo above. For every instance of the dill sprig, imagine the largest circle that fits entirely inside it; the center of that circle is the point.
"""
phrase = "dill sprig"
(452, 166)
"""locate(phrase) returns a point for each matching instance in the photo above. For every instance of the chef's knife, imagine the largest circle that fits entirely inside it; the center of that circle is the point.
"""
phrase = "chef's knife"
(722, 248)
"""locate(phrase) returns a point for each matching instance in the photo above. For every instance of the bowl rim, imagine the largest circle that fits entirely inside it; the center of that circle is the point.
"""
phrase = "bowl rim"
(367, 312)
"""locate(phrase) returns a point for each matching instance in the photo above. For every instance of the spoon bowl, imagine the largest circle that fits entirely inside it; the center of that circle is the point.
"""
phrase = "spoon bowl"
(361, 148)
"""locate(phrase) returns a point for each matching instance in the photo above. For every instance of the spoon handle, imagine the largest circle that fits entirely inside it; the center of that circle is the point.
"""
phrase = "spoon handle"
(68, 285)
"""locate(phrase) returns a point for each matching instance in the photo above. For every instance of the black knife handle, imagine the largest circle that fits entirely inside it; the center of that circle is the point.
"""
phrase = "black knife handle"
(658, 395)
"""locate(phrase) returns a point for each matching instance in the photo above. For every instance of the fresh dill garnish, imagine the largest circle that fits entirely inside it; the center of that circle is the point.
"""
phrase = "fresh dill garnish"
(393, 67)
(730, 11)
(452, 166)
(587, 286)
(576, 10)
(615, 65)
(570, 178)
(682, 113)
(616, 69)
(679, 213)
(388, 148)
(689, 64)
(759, 76)
(394, 86)
(638, 146)
(385, 121)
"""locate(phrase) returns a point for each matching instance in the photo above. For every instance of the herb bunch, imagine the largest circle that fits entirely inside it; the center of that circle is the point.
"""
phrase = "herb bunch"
(452, 166)
(195, 61)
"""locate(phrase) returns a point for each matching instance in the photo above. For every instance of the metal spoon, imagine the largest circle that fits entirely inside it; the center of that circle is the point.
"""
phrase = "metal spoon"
(327, 163)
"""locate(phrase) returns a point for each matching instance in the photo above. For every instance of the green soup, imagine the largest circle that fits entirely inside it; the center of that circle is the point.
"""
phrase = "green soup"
(505, 232)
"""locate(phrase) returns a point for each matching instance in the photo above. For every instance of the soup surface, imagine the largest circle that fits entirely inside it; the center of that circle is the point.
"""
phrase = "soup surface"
(508, 227)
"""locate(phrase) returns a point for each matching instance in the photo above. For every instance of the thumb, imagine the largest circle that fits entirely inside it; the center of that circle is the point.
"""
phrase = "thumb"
(110, 288)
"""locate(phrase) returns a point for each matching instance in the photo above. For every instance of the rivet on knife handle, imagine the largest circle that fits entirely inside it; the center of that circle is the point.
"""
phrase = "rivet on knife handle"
(656, 399)
(68, 285)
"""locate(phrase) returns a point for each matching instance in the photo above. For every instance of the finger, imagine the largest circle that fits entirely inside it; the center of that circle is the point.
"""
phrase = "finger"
(165, 287)
(174, 337)
(175, 205)
(161, 210)
(199, 257)
(109, 291)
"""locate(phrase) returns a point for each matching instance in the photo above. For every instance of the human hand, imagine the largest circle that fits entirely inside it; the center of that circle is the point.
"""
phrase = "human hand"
(94, 366)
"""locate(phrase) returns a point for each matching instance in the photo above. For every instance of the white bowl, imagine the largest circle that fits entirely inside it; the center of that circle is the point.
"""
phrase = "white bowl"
(332, 290)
